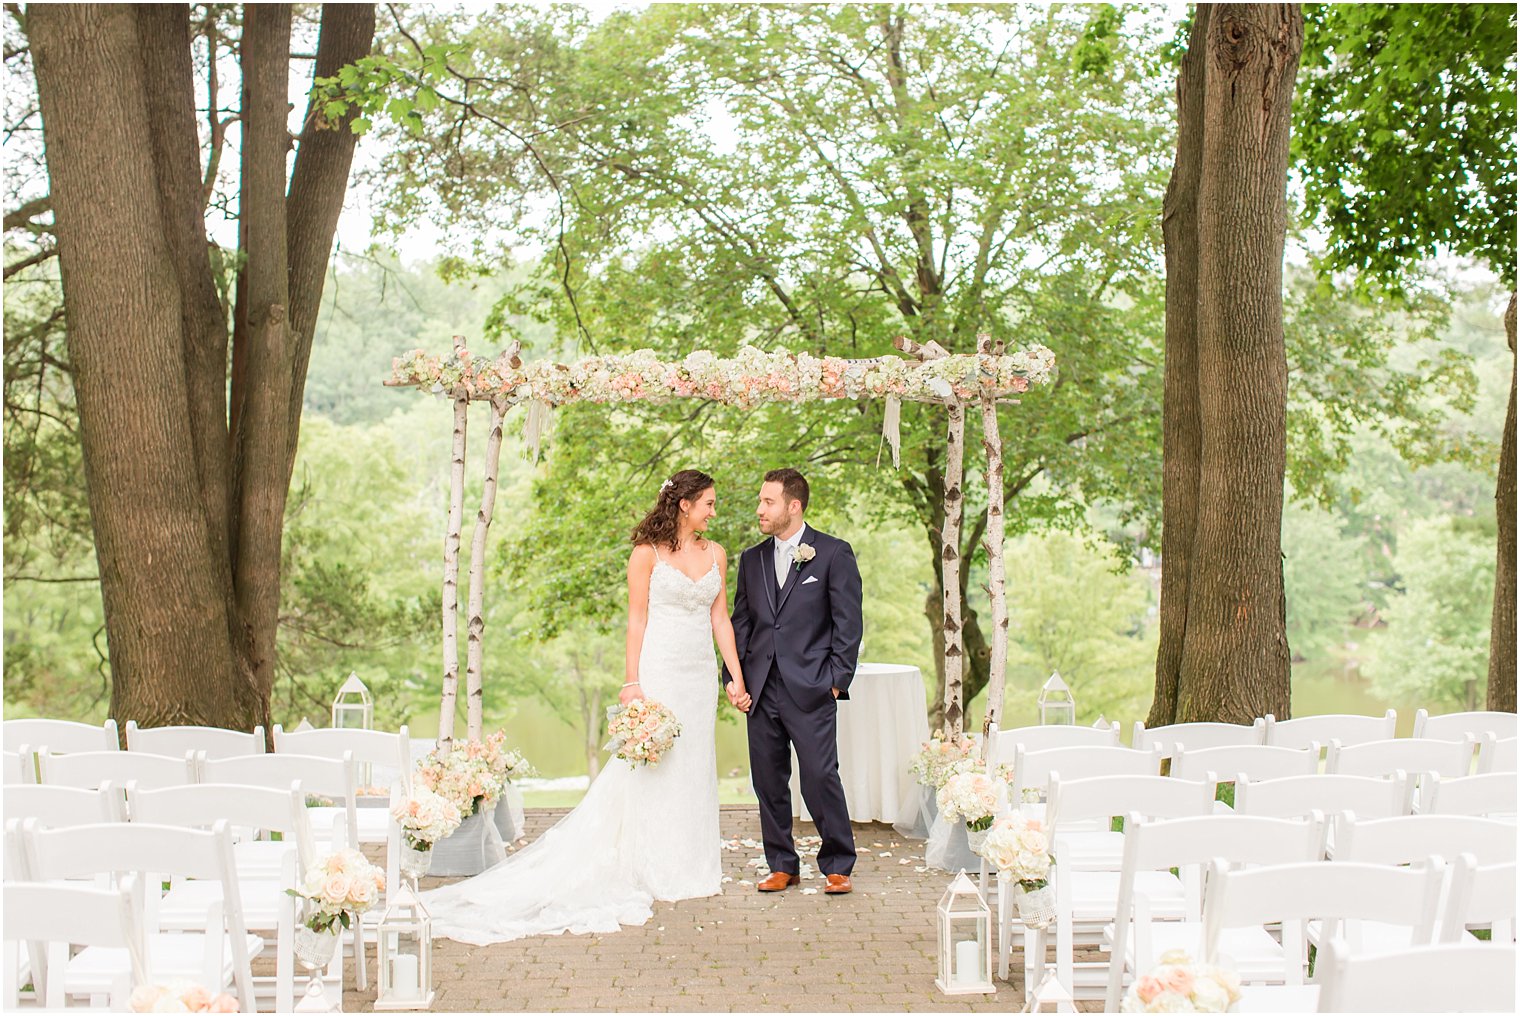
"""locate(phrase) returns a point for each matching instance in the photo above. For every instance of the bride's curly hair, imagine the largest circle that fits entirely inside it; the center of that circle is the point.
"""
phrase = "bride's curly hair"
(661, 527)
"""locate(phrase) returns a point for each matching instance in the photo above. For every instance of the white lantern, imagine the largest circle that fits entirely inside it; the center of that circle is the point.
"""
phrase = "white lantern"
(352, 708)
(405, 953)
(1056, 702)
(965, 940)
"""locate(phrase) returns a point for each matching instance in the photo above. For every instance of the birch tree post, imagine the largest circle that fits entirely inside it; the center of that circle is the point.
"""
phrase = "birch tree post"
(955, 453)
(475, 649)
(992, 442)
(451, 567)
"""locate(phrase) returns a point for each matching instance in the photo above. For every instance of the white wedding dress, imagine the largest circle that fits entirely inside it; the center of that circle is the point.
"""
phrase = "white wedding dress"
(640, 834)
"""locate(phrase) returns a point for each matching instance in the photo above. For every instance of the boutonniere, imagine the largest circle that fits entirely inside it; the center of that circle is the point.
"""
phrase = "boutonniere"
(802, 554)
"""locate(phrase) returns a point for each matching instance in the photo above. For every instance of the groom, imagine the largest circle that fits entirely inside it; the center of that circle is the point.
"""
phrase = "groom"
(797, 629)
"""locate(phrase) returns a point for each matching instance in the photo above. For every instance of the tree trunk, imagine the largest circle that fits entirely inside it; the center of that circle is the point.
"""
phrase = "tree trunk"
(1235, 659)
(1501, 646)
(1181, 433)
(997, 665)
(447, 699)
(474, 690)
(950, 538)
(165, 605)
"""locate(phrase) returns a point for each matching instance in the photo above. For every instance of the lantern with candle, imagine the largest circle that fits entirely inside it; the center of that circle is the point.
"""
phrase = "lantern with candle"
(1056, 702)
(352, 707)
(405, 952)
(965, 940)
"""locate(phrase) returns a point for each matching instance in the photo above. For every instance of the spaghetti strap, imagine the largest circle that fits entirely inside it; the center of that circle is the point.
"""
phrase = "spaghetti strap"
(712, 551)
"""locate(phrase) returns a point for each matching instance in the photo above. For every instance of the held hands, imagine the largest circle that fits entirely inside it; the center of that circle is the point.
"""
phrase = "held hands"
(630, 692)
(737, 696)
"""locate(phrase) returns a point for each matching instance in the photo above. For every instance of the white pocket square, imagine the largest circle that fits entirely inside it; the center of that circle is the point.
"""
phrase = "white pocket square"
(810, 578)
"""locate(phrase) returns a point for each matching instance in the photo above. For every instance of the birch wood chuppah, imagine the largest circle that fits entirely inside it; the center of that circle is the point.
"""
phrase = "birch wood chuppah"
(928, 374)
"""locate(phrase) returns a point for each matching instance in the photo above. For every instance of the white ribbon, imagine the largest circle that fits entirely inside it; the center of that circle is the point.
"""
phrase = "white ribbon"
(533, 426)
(891, 429)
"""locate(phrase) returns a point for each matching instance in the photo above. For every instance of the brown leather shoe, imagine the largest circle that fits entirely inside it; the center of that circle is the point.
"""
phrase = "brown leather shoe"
(837, 885)
(776, 881)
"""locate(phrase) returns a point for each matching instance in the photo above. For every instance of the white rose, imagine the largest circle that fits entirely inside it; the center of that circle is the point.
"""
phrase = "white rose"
(335, 889)
(1209, 995)
(1033, 840)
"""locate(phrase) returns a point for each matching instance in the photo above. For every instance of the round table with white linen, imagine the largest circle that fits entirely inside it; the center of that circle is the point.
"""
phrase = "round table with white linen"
(881, 727)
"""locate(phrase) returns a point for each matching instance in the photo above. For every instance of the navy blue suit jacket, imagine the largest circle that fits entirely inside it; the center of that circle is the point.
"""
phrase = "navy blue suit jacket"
(810, 629)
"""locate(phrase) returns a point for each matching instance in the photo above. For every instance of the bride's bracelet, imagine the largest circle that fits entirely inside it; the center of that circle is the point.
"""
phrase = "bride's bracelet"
(630, 684)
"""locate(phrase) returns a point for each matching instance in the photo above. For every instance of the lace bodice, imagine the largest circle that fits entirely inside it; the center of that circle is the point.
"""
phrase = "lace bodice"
(672, 590)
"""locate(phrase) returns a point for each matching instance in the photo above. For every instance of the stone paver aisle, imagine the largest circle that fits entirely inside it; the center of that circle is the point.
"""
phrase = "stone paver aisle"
(873, 950)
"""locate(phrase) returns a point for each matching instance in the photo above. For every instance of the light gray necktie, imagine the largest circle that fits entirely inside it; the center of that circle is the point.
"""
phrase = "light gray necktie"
(783, 560)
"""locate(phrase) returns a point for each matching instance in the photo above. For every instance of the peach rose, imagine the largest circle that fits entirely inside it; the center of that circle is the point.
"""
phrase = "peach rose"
(196, 998)
(335, 888)
(1148, 987)
(1178, 979)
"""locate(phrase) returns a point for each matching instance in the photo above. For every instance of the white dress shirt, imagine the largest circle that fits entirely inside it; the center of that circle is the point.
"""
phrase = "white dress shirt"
(783, 550)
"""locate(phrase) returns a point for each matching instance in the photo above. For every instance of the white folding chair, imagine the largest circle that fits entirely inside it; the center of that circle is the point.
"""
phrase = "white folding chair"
(1366, 797)
(1232, 762)
(1460, 726)
(53, 917)
(215, 958)
(1347, 728)
(1002, 745)
(1089, 856)
(1489, 795)
(1480, 897)
(1343, 894)
(266, 906)
(1496, 754)
(1414, 756)
(377, 754)
(1467, 977)
(61, 736)
(1175, 737)
(55, 807)
(212, 742)
(1189, 844)
(1032, 769)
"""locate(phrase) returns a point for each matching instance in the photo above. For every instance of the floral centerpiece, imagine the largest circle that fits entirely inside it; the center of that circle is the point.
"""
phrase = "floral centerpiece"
(941, 757)
(336, 890)
(506, 764)
(425, 818)
(641, 732)
(972, 797)
(1019, 848)
(1177, 984)
(179, 996)
(463, 775)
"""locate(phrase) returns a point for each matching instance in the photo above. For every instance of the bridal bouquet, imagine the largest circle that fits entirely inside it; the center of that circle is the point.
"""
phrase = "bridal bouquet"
(338, 889)
(463, 775)
(940, 758)
(1178, 984)
(426, 817)
(970, 796)
(641, 732)
(179, 996)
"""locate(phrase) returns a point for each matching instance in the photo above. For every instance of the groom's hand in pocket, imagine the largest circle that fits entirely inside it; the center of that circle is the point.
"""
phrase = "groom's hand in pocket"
(835, 691)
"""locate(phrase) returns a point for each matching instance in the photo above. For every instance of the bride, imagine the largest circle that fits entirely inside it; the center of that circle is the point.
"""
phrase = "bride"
(646, 833)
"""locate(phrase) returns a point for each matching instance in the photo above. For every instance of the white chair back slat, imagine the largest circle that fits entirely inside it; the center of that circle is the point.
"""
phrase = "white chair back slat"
(1347, 728)
(1477, 977)
(212, 742)
(1032, 769)
(334, 778)
(1412, 755)
(148, 852)
(1176, 737)
(383, 757)
(1460, 726)
(54, 806)
(18, 767)
(67, 915)
(1409, 839)
(1327, 793)
(1004, 744)
(1496, 754)
(1340, 895)
(89, 769)
(1487, 794)
(1480, 896)
(1252, 761)
(254, 811)
(1104, 798)
(60, 736)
